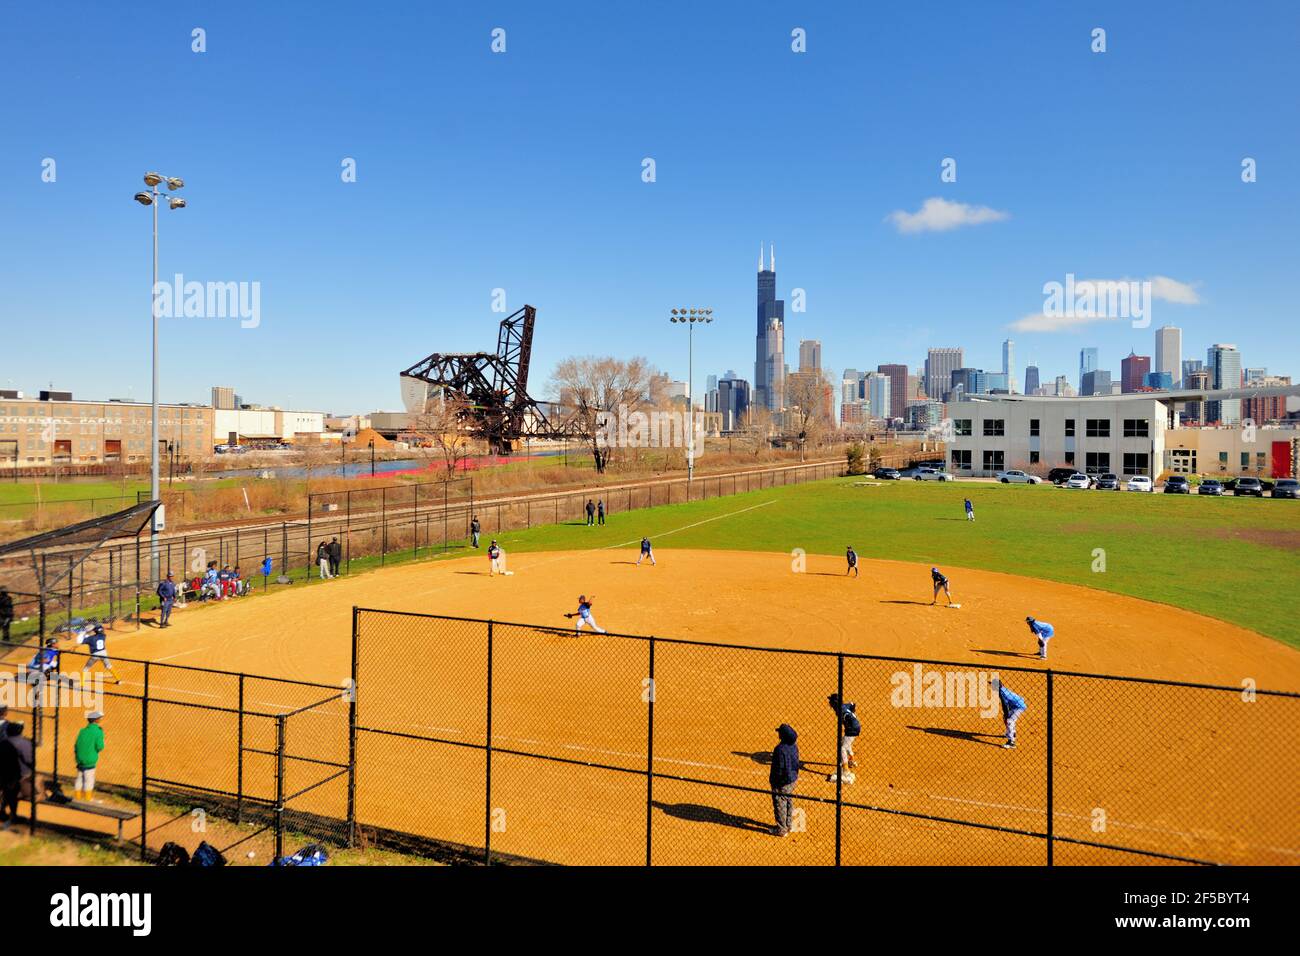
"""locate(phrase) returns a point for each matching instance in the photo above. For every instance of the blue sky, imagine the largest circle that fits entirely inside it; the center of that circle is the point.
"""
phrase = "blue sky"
(522, 171)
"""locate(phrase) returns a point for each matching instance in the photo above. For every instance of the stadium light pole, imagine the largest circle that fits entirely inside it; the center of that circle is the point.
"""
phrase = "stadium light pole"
(690, 317)
(151, 198)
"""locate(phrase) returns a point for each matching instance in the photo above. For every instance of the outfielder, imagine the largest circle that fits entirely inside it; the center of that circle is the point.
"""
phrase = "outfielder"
(646, 552)
(1013, 705)
(970, 511)
(583, 614)
(96, 642)
(1043, 631)
(940, 582)
(852, 557)
(850, 727)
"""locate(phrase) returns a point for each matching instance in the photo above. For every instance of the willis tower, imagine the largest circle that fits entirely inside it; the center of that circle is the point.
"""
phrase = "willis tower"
(769, 345)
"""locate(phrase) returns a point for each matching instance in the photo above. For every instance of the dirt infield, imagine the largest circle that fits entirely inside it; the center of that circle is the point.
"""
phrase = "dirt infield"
(1182, 771)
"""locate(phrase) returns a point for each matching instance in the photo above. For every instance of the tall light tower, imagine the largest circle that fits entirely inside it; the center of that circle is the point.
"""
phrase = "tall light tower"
(691, 317)
(152, 198)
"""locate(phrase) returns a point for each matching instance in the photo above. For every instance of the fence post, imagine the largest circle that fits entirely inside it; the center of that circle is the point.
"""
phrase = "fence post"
(1050, 776)
(487, 802)
(839, 770)
(309, 552)
(144, 768)
(284, 548)
(352, 732)
(239, 761)
(650, 755)
(279, 787)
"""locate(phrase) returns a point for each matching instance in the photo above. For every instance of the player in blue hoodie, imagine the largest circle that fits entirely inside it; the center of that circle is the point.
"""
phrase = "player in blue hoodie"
(1013, 705)
(850, 727)
(783, 775)
(1043, 631)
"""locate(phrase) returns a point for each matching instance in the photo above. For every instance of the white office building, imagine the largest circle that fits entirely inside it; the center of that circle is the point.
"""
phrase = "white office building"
(1124, 434)
(1169, 353)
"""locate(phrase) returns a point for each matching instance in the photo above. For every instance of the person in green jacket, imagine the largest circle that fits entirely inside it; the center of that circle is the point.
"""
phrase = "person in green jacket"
(90, 741)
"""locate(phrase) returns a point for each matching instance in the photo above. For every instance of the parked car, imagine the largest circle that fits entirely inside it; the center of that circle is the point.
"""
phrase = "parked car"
(932, 474)
(1014, 476)
(908, 472)
(1210, 486)
(885, 474)
(1178, 485)
(1250, 487)
(1077, 480)
(1140, 483)
(1108, 482)
(1059, 476)
(1286, 488)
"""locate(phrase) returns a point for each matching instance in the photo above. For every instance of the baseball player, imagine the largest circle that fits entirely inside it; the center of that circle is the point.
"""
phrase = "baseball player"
(45, 662)
(1013, 705)
(850, 727)
(970, 511)
(940, 583)
(96, 642)
(496, 561)
(646, 552)
(852, 557)
(1043, 631)
(583, 614)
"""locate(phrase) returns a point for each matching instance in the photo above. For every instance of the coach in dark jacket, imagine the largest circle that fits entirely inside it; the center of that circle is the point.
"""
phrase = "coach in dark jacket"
(17, 766)
(336, 556)
(783, 776)
(6, 613)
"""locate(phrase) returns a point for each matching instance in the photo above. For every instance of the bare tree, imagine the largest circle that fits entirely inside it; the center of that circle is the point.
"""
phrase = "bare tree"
(808, 416)
(756, 433)
(443, 426)
(596, 389)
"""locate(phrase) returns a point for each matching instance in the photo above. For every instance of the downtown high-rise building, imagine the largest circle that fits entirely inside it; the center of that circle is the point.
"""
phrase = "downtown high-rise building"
(939, 366)
(1095, 381)
(1087, 363)
(1223, 362)
(1133, 372)
(810, 355)
(1169, 353)
(769, 343)
(733, 401)
(1031, 379)
(1009, 364)
(878, 395)
(898, 394)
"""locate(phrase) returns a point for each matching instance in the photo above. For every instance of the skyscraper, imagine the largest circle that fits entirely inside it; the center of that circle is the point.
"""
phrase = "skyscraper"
(1133, 371)
(1009, 364)
(897, 375)
(1169, 353)
(733, 401)
(1095, 382)
(1031, 379)
(1189, 367)
(1087, 363)
(769, 345)
(810, 355)
(878, 394)
(1223, 362)
(939, 366)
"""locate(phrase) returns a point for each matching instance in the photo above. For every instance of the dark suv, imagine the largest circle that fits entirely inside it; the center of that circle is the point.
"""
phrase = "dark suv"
(1286, 488)
(1249, 487)
(885, 474)
(1059, 476)
(1107, 482)
(1178, 485)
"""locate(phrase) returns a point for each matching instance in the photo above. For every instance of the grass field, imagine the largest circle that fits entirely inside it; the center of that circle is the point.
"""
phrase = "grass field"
(1233, 559)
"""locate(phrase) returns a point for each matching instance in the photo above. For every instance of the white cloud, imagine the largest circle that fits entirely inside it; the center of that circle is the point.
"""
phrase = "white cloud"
(941, 215)
(1103, 300)
(1171, 290)
(1042, 322)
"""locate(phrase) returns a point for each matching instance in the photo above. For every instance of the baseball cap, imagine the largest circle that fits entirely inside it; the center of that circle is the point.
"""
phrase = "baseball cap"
(95, 715)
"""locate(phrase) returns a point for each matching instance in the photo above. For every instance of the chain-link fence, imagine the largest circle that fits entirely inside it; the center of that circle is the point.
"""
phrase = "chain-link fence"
(191, 754)
(486, 741)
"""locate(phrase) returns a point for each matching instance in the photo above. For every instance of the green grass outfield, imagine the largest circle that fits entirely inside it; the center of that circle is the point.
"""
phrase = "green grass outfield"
(1229, 558)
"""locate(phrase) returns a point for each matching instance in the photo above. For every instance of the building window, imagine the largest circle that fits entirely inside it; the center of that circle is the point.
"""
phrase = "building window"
(1033, 428)
(1097, 428)
(961, 426)
(1097, 462)
(1136, 463)
(1069, 458)
(1033, 457)
(995, 427)
(1261, 461)
(994, 461)
(1137, 428)
(961, 459)
(1069, 428)
(1245, 461)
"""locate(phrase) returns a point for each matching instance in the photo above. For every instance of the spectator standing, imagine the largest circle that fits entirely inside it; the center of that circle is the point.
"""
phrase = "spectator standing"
(17, 769)
(600, 511)
(6, 613)
(336, 557)
(475, 529)
(591, 512)
(323, 560)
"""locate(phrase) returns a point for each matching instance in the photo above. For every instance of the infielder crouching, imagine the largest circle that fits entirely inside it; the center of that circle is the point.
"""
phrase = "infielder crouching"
(1043, 631)
(646, 552)
(1013, 705)
(940, 583)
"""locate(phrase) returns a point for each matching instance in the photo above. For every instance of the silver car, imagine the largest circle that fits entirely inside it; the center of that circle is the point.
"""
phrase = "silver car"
(1013, 476)
(932, 474)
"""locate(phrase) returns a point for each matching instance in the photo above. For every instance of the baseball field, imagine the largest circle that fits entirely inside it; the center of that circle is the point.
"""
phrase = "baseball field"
(1137, 586)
